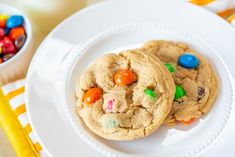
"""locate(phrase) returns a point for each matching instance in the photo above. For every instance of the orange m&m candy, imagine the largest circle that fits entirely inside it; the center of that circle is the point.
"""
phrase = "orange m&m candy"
(2, 23)
(125, 77)
(188, 121)
(92, 95)
(16, 32)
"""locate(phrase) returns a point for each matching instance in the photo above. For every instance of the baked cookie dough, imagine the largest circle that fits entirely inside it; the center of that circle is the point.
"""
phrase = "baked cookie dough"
(196, 81)
(125, 96)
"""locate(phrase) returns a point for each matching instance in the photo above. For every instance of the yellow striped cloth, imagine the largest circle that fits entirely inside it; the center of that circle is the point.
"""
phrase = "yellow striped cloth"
(13, 116)
(223, 8)
(14, 94)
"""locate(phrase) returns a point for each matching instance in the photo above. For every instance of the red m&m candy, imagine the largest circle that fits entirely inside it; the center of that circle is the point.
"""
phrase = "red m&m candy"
(7, 46)
(10, 49)
(5, 42)
(2, 33)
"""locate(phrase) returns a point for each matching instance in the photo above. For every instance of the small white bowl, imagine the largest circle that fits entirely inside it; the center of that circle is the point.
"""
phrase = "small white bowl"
(16, 67)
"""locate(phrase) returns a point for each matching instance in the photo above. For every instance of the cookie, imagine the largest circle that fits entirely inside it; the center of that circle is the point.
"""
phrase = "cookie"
(195, 79)
(125, 96)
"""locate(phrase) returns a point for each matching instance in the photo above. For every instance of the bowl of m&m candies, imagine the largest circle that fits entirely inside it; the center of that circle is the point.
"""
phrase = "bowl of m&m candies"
(12, 36)
(15, 43)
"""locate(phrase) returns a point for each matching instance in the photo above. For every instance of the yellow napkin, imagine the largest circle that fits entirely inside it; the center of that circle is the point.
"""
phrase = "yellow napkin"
(13, 116)
(15, 121)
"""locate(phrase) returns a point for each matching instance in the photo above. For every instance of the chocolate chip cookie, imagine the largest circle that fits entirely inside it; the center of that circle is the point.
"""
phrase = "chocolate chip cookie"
(125, 96)
(195, 79)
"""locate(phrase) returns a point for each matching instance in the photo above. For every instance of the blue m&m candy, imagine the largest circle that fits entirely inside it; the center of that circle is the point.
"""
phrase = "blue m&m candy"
(188, 61)
(14, 21)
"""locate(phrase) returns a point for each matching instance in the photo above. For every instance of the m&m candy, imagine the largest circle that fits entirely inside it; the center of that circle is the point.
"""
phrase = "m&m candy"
(179, 92)
(9, 49)
(110, 123)
(4, 17)
(124, 77)
(19, 42)
(12, 36)
(170, 67)
(16, 32)
(188, 61)
(188, 121)
(2, 33)
(92, 95)
(2, 23)
(150, 93)
(7, 46)
(14, 21)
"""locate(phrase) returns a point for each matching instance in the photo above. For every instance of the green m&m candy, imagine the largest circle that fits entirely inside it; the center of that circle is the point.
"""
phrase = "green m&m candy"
(179, 92)
(110, 123)
(150, 93)
(170, 67)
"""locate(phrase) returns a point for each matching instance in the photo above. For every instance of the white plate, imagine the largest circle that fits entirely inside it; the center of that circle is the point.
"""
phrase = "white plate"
(180, 140)
(45, 109)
